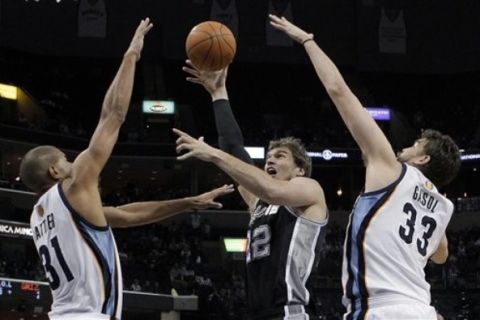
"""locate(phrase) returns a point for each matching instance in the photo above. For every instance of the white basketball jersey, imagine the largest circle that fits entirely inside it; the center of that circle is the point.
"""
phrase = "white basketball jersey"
(80, 260)
(391, 235)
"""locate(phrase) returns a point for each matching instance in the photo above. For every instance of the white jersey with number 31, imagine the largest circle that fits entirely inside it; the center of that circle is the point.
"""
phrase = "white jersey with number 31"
(80, 260)
(391, 235)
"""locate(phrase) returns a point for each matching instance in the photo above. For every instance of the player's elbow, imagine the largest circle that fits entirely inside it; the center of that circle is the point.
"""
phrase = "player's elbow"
(119, 114)
(336, 88)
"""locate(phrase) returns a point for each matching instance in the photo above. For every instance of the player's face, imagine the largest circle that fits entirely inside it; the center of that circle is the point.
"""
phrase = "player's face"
(413, 154)
(280, 164)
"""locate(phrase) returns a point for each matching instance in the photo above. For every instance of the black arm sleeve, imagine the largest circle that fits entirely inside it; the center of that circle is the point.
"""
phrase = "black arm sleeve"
(230, 136)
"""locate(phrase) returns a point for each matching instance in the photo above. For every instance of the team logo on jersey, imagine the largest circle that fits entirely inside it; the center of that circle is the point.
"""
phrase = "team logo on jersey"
(263, 211)
(429, 185)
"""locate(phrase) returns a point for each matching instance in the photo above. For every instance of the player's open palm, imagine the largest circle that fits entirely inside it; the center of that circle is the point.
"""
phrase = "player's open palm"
(210, 80)
(289, 28)
(136, 45)
(207, 200)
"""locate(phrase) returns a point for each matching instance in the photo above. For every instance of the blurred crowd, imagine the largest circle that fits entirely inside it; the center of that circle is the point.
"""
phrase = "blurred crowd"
(183, 258)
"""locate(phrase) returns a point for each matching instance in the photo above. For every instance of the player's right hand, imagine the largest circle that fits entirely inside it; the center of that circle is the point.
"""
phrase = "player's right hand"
(136, 45)
(212, 81)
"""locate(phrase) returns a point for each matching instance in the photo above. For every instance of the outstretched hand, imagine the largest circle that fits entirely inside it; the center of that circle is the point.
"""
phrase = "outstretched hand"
(207, 200)
(290, 29)
(212, 81)
(195, 147)
(136, 45)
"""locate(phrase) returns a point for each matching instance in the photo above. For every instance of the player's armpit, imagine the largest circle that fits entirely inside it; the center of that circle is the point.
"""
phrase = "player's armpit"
(249, 198)
(440, 256)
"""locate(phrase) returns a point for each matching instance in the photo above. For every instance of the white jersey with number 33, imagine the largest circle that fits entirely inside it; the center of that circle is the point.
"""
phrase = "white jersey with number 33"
(391, 235)
(80, 260)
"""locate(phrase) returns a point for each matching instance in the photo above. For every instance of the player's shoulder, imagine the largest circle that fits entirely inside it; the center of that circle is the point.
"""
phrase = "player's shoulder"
(306, 181)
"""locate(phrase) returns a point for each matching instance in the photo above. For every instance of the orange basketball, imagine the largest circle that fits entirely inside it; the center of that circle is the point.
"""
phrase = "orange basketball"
(210, 46)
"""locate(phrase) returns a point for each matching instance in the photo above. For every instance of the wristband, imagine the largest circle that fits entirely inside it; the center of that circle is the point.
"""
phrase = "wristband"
(305, 41)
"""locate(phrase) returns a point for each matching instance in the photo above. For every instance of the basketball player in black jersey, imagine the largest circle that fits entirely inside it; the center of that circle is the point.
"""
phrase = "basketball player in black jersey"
(288, 210)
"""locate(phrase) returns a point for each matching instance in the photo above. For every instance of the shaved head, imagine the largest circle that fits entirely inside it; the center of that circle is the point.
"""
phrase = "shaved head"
(35, 165)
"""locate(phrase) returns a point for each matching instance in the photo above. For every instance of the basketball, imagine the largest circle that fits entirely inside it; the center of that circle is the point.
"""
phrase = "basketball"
(210, 46)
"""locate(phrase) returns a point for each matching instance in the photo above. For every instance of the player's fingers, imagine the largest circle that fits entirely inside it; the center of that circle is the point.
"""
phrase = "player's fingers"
(183, 146)
(185, 156)
(277, 26)
(180, 132)
(202, 139)
(179, 141)
(189, 62)
(194, 80)
(217, 205)
(191, 71)
(148, 28)
(274, 17)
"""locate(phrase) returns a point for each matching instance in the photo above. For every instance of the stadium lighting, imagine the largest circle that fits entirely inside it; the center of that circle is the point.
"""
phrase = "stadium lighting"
(8, 91)
(235, 244)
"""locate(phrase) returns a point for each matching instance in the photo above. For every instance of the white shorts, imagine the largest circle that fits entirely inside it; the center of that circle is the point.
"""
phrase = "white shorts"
(411, 311)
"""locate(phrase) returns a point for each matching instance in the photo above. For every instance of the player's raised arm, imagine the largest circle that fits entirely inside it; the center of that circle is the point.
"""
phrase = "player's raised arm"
(382, 166)
(230, 137)
(90, 162)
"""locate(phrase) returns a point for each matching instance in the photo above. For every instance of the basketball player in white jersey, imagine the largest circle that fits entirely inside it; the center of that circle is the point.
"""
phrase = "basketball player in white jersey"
(288, 210)
(71, 230)
(399, 221)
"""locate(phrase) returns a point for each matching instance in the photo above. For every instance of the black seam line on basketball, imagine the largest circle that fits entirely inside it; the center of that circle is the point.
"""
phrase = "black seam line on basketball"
(201, 31)
(211, 27)
(226, 42)
(200, 42)
(220, 51)
(207, 54)
(219, 36)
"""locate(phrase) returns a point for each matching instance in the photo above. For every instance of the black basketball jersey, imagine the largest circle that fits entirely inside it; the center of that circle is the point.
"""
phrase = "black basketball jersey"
(282, 255)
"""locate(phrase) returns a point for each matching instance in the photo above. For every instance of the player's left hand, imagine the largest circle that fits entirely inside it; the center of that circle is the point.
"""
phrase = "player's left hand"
(195, 147)
(207, 200)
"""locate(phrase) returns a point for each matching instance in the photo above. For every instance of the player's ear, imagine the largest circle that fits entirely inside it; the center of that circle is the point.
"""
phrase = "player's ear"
(300, 172)
(54, 173)
(425, 159)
